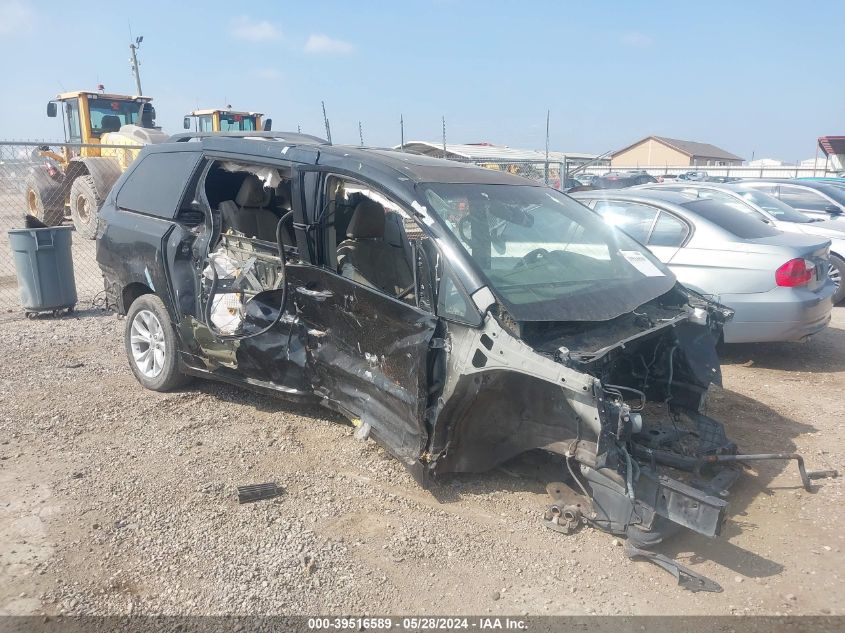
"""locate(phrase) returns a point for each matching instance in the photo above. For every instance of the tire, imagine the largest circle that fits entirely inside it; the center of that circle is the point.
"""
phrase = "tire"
(837, 275)
(85, 203)
(44, 200)
(148, 325)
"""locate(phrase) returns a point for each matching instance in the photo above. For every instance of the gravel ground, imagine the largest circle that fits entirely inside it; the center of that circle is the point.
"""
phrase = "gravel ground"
(116, 500)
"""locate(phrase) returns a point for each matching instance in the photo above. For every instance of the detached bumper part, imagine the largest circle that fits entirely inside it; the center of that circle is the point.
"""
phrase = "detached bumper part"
(659, 507)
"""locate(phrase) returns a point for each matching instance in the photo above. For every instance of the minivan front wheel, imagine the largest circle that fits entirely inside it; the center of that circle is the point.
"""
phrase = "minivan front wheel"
(836, 272)
(151, 345)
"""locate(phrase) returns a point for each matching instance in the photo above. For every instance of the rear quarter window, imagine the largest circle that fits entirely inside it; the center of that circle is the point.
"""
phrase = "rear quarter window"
(156, 184)
(742, 225)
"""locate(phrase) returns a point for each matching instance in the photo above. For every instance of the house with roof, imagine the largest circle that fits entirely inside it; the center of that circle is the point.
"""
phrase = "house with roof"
(661, 151)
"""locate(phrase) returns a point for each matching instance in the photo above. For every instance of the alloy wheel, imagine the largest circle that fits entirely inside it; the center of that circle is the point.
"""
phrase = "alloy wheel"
(835, 275)
(147, 342)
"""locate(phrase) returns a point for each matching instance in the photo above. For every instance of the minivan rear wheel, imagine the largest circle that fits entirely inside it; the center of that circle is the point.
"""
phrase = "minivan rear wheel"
(151, 345)
(836, 272)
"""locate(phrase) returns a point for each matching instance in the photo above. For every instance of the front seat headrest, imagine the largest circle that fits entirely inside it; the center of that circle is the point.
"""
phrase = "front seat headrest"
(252, 193)
(367, 221)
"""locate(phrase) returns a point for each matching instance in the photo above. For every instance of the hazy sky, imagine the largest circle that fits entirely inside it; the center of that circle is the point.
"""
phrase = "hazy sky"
(748, 76)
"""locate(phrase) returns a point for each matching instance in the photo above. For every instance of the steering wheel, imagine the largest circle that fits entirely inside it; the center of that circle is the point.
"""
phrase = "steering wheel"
(531, 257)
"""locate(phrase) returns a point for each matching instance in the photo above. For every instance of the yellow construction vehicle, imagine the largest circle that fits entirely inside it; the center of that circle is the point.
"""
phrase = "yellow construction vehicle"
(76, 179)
(225, 120)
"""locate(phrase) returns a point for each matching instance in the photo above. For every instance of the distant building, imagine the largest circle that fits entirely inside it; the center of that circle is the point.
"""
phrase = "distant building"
(767, 162)
(833, 148)
(659, 150)
(819, 162)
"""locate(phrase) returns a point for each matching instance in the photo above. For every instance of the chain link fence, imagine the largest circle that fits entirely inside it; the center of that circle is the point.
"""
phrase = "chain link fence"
(57, 184)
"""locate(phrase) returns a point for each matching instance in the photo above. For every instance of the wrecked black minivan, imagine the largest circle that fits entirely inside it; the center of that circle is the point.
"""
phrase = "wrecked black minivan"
(459, 316)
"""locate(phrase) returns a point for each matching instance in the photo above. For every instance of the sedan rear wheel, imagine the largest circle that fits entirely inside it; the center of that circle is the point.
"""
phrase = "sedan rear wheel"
(836, 272)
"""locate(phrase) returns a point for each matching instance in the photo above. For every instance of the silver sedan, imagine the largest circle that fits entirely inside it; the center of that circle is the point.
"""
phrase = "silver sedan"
(776, 282)
(772, 211)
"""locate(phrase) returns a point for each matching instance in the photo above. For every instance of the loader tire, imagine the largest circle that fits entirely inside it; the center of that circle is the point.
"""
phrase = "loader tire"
(85, 203)
(44, 201)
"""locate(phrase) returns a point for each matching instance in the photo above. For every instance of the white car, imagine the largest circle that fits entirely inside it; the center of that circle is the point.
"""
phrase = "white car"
(779, 214)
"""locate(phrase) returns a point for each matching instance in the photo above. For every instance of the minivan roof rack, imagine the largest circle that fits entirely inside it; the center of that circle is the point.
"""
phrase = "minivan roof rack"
(292, 137)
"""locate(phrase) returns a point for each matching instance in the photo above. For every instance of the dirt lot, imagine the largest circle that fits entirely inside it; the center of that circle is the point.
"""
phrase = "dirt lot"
(118, 500)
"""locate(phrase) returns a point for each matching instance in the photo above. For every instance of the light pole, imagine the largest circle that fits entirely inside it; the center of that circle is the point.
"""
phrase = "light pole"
(136, 71)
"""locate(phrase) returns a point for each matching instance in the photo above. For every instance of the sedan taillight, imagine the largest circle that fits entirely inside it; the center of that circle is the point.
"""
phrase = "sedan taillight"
(795, 272)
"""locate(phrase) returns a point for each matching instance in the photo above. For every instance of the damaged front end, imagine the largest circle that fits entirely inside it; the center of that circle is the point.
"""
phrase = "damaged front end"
(621, 400)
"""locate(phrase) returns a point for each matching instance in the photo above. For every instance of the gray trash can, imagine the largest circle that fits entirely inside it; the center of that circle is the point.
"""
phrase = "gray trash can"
(44, 266)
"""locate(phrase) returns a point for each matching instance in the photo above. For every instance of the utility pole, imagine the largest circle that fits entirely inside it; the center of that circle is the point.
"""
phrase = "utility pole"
(444, 137)
(361, 133)
(401, 133)
(134, 63)
(546, 170)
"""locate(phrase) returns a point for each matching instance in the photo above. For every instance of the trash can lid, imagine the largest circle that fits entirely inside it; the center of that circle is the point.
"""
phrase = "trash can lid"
(49, 228)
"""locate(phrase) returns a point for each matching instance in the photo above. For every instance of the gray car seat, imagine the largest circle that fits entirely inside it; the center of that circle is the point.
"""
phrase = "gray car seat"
(248, 213)
(367, 257)
(110, 123)
(267, 222)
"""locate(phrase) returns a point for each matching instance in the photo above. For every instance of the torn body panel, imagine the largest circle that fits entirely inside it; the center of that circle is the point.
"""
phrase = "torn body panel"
(579, 390)
(500, 399)
(366, 356)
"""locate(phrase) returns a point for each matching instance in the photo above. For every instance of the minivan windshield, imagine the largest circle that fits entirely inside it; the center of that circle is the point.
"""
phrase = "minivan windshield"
(546, 256)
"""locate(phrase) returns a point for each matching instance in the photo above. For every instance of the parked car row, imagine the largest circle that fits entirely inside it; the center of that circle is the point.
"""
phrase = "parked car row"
(777, 283)
(619, 180)
(726, 235)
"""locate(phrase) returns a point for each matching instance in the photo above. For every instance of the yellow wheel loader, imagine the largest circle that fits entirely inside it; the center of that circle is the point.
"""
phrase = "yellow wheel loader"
(75, 180)
(226, 120)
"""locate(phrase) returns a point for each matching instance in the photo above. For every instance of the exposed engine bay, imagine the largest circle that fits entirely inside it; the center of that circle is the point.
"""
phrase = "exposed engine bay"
(622, 400)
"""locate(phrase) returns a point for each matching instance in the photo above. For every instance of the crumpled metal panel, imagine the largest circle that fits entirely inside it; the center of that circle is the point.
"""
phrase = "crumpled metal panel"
(366, 354)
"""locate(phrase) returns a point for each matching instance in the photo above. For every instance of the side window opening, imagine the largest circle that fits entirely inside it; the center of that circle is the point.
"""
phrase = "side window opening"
(373, 241)
(453, 303)
(633, 218)
(800, 198)
(74, 129)
(247, 202)
(251, 199)
(668, 231)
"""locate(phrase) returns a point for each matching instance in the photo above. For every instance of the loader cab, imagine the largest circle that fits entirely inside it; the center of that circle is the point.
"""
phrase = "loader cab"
(87, 116)
(228, 120)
